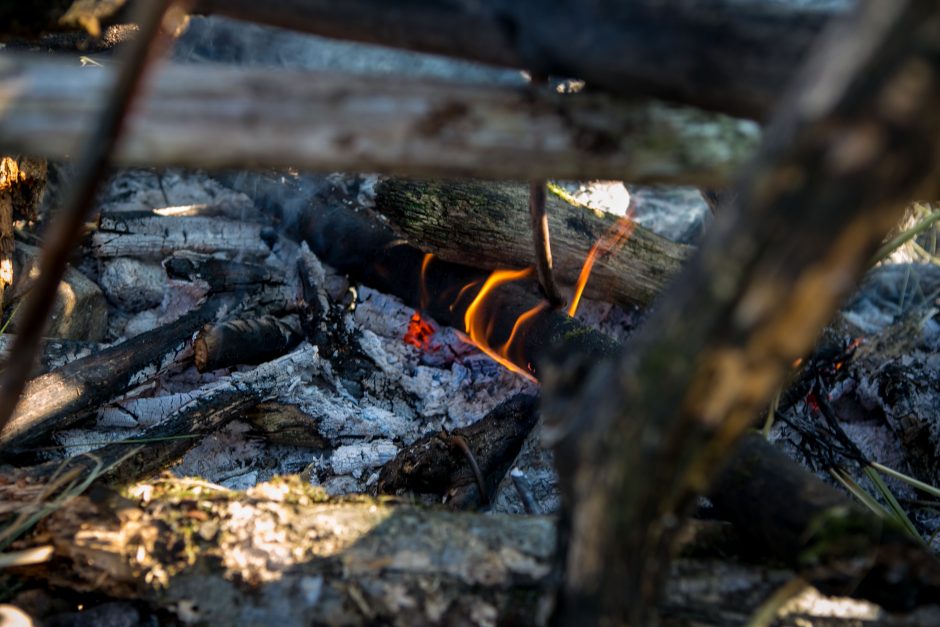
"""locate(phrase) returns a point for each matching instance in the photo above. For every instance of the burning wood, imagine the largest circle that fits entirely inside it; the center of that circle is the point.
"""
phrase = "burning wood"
(447, 218)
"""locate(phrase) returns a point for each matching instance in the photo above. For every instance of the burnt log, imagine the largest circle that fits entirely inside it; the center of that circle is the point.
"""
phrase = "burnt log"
(161, 444)
(462, 467)
(221, 275)
(242, 117)
(61, 397)
(810, 213)
(55, 352)
(357, 243)
(483, 225)
(725, 55)
(244, 341)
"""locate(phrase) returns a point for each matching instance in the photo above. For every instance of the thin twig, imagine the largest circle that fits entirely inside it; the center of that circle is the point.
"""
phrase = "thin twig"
(543, 248)
(460, 442)
(66, 228)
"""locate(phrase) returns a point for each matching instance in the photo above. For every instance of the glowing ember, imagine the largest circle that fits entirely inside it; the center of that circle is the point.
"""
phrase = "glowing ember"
(419, 333)
(479, 328)
(615, 237)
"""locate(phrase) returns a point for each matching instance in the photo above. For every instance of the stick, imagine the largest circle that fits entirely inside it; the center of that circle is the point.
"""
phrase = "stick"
(772, 272)
(243, 117)
(67, 228)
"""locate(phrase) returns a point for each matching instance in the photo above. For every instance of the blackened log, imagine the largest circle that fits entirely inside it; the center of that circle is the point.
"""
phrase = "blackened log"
(248, 117)
(439, 465)
(222, 275)
(726, 55)
(810, 213)
(484, 225)
(244, 341)
(59, 398)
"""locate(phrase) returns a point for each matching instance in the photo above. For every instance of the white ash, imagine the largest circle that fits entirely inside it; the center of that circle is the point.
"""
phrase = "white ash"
(133, 285)
(143, 412)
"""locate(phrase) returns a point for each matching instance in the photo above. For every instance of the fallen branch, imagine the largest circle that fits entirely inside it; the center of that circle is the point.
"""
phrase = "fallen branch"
(234, 117)
(194, 549)
(483, 225)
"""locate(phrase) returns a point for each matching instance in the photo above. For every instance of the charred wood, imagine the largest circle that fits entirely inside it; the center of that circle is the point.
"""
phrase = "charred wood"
(230, 117)
(222, 275)
(728, 55)
(61, 397)
(244, 341)
(483, 225)
(148, 236)
(161, 444)
(439, 467)
(55, 352)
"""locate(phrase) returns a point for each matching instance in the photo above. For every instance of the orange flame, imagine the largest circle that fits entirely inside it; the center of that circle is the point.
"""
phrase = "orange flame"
(615, 237)
(424, 283)
(479, 328)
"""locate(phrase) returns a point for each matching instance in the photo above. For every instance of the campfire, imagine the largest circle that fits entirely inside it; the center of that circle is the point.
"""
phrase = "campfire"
(309, 331)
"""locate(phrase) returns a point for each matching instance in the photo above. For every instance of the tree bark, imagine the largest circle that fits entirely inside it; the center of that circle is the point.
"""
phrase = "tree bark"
(811, 211)
(725, 55)
(483, 225)
(192, 116)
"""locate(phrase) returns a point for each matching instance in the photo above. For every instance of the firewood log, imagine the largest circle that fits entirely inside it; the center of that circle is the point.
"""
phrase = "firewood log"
(245, 117)
(484, 225)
